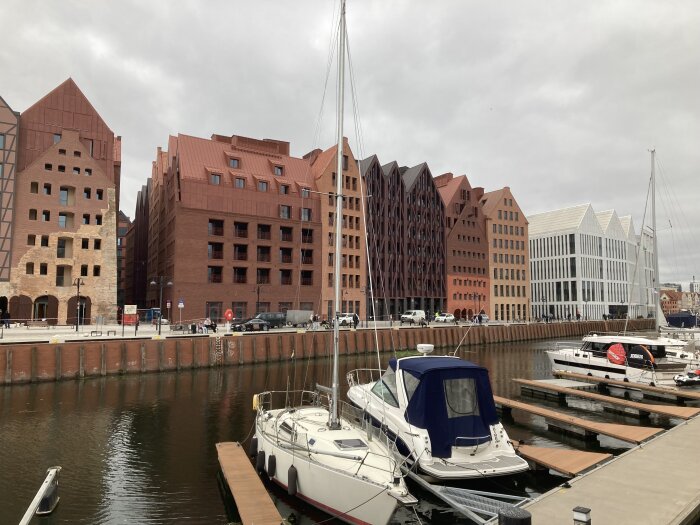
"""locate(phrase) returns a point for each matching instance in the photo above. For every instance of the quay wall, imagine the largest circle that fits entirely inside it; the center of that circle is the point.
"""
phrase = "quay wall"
(56, 361)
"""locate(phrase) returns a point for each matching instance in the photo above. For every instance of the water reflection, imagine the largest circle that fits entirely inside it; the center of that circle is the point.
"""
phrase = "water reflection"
(140, 449)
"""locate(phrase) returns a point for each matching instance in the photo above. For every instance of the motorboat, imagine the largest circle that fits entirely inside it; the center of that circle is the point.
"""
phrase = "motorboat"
(314, 445)
(690, 378)
(633, 358)
(441, 412)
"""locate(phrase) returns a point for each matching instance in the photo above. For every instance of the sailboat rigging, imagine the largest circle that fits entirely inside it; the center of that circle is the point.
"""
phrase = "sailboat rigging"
(328, 455)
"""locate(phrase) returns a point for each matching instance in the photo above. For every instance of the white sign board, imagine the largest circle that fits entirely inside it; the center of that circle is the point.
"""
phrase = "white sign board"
(167, 304)
(130, 309)
(181, 304)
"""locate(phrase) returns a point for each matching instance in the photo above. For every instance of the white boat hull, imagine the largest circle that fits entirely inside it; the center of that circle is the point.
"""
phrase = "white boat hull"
(354, 492)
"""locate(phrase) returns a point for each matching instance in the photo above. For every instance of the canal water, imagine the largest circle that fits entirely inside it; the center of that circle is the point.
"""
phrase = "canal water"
(140, 449)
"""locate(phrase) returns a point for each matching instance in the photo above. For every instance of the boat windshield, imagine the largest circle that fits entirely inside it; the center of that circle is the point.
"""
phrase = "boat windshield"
(460, 397)
(385, 388)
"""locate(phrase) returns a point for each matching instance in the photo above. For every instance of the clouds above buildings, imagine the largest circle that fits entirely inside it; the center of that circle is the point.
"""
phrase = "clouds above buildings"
(558, 100)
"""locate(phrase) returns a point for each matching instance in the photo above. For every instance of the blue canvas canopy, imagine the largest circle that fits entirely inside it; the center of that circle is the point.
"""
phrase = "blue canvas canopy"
(449, 397)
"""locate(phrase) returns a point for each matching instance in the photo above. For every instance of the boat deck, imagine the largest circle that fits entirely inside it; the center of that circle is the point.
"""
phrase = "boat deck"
(643, 408)
(627, 433)
(252, 499)
(655, 483)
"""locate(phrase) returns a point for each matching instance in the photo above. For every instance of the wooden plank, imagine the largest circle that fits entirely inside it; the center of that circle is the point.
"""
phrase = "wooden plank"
(252, 500)
(631, 434)
(568, 462)
(685, 394)
(664, 410)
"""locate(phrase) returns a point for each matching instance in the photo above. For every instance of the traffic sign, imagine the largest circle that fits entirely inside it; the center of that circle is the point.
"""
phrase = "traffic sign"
(180, 303)
(167, 304)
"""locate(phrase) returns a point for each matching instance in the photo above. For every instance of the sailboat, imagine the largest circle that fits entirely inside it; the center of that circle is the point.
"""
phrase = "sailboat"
(321, 450)
(628, 357)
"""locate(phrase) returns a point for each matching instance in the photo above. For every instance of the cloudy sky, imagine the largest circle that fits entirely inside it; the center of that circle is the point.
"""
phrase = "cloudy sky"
(560, 100)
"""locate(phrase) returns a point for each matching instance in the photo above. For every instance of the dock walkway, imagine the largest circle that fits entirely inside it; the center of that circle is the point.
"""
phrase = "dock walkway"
(628, 433)
(643, 408)
(655, 483)
(565, 461)
(252, 499)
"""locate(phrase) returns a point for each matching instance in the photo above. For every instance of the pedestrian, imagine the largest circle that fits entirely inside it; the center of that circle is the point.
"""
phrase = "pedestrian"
(6, 318)
(355, 320)
(480, 318)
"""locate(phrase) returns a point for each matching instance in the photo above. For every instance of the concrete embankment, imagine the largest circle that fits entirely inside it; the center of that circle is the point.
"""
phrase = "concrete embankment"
(23, 362)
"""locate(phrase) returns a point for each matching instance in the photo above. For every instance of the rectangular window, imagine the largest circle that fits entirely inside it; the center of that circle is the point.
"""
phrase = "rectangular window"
(214, 274)
(285, 212)
(76, 154)
(215, 179)
(61, 169)
(98, 194)
(263, 276)
(306, 214)
(286, 234)
(279, 171)
(88, 172)
(30, 268)
(239, 275)
(86, 218)
(95, 271)
(239, 183)
(307, 236)
(61, 248)
(305, 192)
(61, 276)
(46, 215)
(264, 232)
(98, 219)
(86, 193)
(215, 250)
(76, 171)
(286, 277)
(83, 270)
(34, 187)
(262, 185)
(2, 141)
(43, 269)
(234, 163)
(48, 167)
(98, 244)
(57, 138)
(31, 240)
(85, 243)
(284, 189)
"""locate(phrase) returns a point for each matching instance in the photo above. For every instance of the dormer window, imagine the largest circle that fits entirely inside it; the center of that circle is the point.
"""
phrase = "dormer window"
(262, 185)
(284, 189)
(305, 192)
(279, 171)
(215, 179)
(239, 183)
(234, 163)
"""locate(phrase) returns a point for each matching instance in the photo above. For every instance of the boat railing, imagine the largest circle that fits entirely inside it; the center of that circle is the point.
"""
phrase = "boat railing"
(275, 399)
(363, 376)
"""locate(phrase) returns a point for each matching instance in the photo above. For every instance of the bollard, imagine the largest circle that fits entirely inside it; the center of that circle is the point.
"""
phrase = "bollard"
(582, 516)
(512, 515)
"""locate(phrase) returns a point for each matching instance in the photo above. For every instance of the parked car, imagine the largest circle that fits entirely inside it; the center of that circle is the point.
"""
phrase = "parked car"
(413, 316)
(345, 319)
(444, 318)
(252, 325)
(275, 319)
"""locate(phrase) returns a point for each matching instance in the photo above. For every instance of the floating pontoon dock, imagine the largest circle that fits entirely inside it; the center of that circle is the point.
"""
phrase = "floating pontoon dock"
(642, 409)
(577, 425)
(252, 500)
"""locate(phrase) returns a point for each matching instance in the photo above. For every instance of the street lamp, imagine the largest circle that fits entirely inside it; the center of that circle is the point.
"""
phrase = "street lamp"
(257, 302)
(160, 281)
(77, 282)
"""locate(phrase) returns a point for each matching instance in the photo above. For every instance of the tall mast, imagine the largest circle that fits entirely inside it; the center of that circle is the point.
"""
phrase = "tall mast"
(657, 291)
(334, 422)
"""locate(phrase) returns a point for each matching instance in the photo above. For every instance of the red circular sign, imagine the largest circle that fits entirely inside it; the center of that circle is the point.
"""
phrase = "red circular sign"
(228, 314)
(617, 354)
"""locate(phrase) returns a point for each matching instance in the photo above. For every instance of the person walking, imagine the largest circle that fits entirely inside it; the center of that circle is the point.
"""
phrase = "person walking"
(355, 320)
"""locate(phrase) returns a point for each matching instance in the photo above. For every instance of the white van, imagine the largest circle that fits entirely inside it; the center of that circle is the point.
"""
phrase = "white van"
(412, 316)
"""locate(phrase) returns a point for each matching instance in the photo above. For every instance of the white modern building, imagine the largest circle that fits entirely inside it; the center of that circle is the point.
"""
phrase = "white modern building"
(585, 265)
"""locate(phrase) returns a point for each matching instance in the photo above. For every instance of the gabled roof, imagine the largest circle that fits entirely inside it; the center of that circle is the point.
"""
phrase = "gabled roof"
(628, 226)
(386, 168)
(558, 220)
(367, 163)
(448, 185)
(604, 218)
(321, 162)
(490, 200)
(410, 176)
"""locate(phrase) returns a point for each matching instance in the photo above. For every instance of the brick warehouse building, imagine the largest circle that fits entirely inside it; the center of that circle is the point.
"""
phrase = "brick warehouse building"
(232, 223)
(65, 201)
(467, 272)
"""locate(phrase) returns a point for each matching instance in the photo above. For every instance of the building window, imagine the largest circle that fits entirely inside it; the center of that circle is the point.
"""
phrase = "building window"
(61, 248)
(2, 141)
(84, 270)
(34, 187)
(239, 276)
(239, 183)
(44, 240)
(284, 189)
(61, 169)
(306, 214)
(240, 229)
(31, 240)
(76, 154)
(285, 277)
(85, 243)
(88, 172)
(279, 171)
(86, 193)
(46, 215)
(239, 309)
(76, 171)
(286, 234)
(86, 218)
(307, 278)
(234, 163)
(214, 179)
(98, 219)
(215, 250)
(345, 162)
(305, 192)
(43, 269)
(214, 274)
(97, 244)
(264, 232)
(262, 185)
(240, 252)
(98, 194)
(57, 138)
(61, 151)
(61, 276)
(286, 255)
(48, 167)
(95, 271)
(264, 254)
(30, 268)
(263, 276)
(215, 227)
(285, 212)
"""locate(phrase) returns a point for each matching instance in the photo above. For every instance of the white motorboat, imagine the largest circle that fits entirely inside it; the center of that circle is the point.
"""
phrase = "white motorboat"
(318, 451)
(632, 358)
(441, 412)
(690, 378)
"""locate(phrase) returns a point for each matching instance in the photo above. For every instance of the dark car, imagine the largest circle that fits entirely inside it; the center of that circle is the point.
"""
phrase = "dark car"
(252, 325)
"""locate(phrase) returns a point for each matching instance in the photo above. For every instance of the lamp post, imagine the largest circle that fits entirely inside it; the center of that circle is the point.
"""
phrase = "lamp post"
(77, 282)
(257, 302)
(160, 281)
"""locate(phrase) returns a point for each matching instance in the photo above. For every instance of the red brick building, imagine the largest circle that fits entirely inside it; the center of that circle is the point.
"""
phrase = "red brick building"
(65, 196)
(466, 242)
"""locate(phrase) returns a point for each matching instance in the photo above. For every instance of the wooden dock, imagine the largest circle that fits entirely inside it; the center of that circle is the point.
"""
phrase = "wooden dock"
(672, 393)
(565, 461)
(252, 500)
(655, 483)
(628, 433)
(642, 409)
